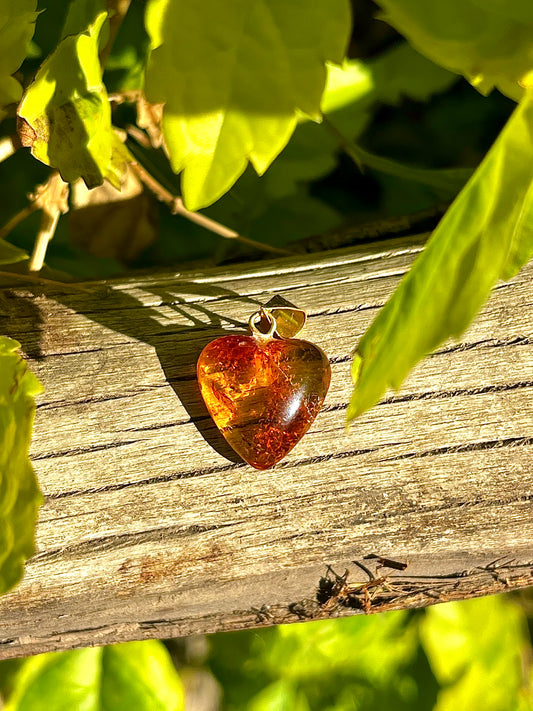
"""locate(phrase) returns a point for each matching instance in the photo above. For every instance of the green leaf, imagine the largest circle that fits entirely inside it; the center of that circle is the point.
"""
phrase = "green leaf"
(9, 254)
(281, 695)
(486, 235)
(352, 92)
(445, 180)
(475, 648)
(82, 14)
(17, 25)
(141, 676)
(233, 85)
(67, 111)
(136, 675)
(19, 494)
(490, 43)
(399, 72)
(324, 665)
(251, 209)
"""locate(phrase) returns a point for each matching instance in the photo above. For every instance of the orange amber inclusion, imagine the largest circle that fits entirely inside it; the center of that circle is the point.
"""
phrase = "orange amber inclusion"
(263, 394)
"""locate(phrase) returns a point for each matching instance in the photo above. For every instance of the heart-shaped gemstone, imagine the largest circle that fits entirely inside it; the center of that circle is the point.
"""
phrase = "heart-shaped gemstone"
(263, 394)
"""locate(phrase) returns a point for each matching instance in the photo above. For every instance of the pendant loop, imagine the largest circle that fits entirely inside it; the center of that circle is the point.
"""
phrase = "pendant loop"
(256, 319)
(283, 318)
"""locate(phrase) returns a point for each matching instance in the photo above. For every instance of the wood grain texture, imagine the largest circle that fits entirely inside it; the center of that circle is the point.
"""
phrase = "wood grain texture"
(151, 528)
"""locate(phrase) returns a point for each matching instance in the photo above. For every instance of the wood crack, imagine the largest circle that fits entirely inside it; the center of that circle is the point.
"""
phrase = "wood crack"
(125, 540)
(90, 400)
(467, 447)
(75, 451)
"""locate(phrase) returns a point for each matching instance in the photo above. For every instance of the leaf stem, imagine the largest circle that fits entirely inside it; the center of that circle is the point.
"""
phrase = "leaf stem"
(347, 146)
(447, 180)
(178, 208)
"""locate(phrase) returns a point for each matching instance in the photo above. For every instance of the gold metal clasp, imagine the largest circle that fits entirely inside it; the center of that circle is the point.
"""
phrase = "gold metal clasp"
(289, 319)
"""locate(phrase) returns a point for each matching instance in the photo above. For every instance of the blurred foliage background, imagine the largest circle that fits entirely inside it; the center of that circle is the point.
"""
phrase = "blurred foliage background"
(398, 105)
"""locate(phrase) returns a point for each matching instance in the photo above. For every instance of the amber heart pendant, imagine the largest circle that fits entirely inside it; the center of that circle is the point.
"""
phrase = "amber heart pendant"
(263, 391)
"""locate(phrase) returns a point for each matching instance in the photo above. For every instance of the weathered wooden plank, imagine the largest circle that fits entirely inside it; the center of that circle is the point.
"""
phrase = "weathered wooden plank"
(151, 528)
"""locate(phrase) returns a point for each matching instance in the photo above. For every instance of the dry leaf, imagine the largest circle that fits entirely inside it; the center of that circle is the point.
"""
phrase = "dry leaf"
(52, 196)
(149, 117)
(110, 223)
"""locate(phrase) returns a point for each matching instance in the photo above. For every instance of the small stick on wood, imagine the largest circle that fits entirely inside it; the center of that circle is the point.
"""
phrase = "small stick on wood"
(386, 562)
(366, 570)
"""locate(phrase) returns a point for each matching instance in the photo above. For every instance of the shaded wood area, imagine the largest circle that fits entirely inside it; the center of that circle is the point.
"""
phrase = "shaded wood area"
(151, 528)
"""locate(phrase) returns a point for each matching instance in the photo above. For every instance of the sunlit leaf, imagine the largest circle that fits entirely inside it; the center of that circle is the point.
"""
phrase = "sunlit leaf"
(323, 665)
(19, 494)
(281, 695)
(475, 648)
(399, 72)
(233, 84)
(136, 676)
(66, 111)
(17, 25)
(490, 43)
(486, 235)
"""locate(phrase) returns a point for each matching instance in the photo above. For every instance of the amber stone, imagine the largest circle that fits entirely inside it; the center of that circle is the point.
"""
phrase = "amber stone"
(263, 394)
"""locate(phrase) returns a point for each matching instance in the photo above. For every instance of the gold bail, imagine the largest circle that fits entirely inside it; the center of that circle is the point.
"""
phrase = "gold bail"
(289, 318)
(260, 319)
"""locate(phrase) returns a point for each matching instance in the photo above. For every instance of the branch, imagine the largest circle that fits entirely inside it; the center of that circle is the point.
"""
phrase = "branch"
(178, 208)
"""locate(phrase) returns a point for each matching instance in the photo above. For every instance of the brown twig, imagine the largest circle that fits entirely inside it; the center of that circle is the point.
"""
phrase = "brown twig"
(178, 208)
(139, 135)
